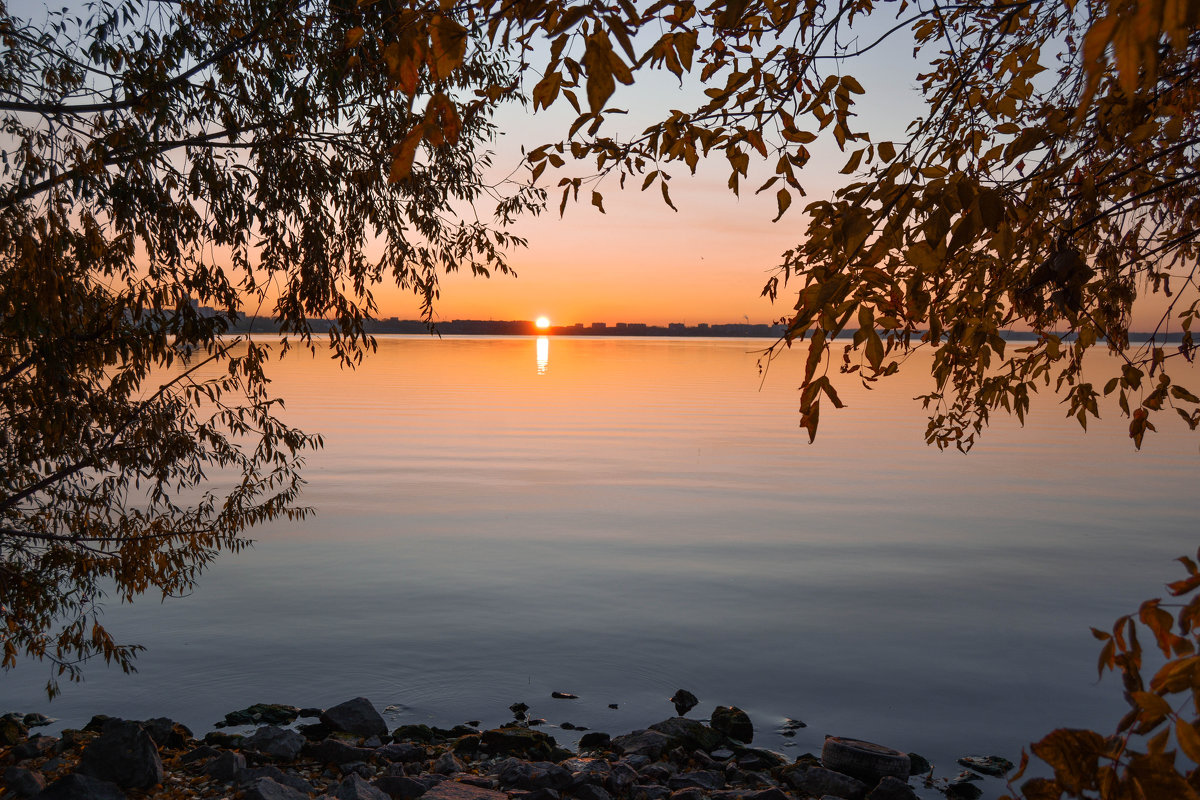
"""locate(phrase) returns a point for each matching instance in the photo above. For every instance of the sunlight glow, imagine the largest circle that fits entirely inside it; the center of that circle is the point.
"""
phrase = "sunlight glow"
(542, 323)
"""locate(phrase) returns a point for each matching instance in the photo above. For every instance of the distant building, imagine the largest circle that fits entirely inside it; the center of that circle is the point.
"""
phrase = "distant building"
(599, 326)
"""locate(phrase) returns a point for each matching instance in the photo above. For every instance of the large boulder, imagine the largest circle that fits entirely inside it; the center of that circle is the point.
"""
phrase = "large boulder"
(818, 782)
(355, 788)
(355, 716)
(333, 751)
(268, 713)
(278, 743)
(267, 789)
(645, 742)
(124, 754)
(518, 741)
(690, 733)
(81, 787)
(684, 701)
(733, 722)
(891, 788)
(11, 731)
(167, 733)
(400, 787)
(23, 782)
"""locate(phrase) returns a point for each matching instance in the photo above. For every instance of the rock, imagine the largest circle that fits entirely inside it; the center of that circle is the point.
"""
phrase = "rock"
(482, 781)
(621, 777)
(588, 770)
(399, 787)
(355, 716)
(643, 742)
(818, 781)
(81, 787)
(450, 790)
(404, 752)
(988, 765)
(355, 788)
(690, 733)
(96, 723)
(892, 788)
(963, 791)
(219, 739)
(225, 767)
(733, 722)
(309, 713)
(415, 733)
(706, 779)
(752, 758)
(167, 733)
(590, 791)
(22, 782)
(12, 731)
(684, 701)
(447, 764)
(537, 794)
(517, 741)
(247, 776)
(467, 744)
(259, 713)
(278, 743)
(335, 751)
(201, 753)
(531, 776)
(314, 732)
(649, 792)
(33, 747)
(596, 739)
(124, 754)
(690, 793)
(614, 706)
(359, 768)
(659, 773)
(36, 720)
(772, 793)
(567, 726)
(267, 789)
(918, 765)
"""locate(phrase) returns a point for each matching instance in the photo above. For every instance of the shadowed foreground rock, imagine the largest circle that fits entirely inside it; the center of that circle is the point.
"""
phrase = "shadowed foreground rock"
(676, 759)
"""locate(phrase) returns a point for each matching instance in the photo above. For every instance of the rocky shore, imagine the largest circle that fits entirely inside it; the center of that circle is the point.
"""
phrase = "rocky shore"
(346, 752)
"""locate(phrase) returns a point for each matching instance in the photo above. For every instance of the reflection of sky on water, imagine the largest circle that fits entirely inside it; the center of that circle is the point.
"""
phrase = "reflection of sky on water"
(543, 354)
(645, 518)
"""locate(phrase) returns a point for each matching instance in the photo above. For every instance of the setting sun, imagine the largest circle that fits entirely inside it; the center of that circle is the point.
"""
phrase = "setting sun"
(542, 323)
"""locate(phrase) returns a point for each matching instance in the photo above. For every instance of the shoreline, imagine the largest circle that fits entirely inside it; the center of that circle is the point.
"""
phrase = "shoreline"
(279, 752)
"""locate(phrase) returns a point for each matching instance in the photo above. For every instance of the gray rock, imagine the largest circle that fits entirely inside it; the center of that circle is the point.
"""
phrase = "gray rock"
(124, 754)
(22, 782)
(892, 788)
(355, 788)
(201, 753)
(590, 791)
(34, 747)
(536, 794)
(518, 741)
(818, 781)
(404, 752)
(447, 764)
(595, 739)
(36, 720)
(482, 781)
(988, 765)
(659, 773)
(252, 774)
(755, 759)
(733, 722)
(690, 793)
(355, 716)
(399, 787)
(649, 792)
(531, 776)
(335, 751)
(167, 732)
(684, 701)
(621, 777)
(267, 789)
(278, 743)
(450, 790)
(706, 779)
(647, 743)
(226, 767)
(81, 787)
(269, 713)
(11, 731)
(690, 733)
(588, 770)
(918, 765)
(772, 793)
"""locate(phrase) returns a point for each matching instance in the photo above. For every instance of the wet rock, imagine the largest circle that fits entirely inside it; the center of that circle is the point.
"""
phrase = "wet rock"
(733, 722)
(22, 782)
(267, 789)
(690, 733)
(691, 793)
(36, 720)
(167, 733)
(590, 791)
(335, 751)
(450, 790)
(530, 776)
(202, 753)
(684, 701)
(649, 792)
(33, 747)
(963, 790)
(355, 716)
(988, 765)
(269, 713)
(124, 754)
(657, 772)
(447, 764)
(96, 723)
(818, 781)
(355, 788)
(892, 788)
(517, 741)
(359, 768)
(754, 759)
(12, 731)
(403, 752)
(918, 765)
(588, 770)
(314, 732)
(226, 767)
(564, 696)
(309, 713)
(706, 779)
(278, 743)
(595, 739)
(644, 742)
(81, 787)
(219, 739)
(251, 775)
(614, 706)
(399, 787)
(621, 777)
(415, 733)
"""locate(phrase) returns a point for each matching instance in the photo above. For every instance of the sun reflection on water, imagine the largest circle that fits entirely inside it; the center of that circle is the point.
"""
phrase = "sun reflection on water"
(543, 354)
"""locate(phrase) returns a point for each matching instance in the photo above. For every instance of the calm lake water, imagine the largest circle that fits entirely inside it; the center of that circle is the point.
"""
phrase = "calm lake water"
(619, 518)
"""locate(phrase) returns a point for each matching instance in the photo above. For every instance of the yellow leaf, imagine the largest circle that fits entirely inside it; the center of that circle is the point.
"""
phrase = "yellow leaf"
(353, 36)
(887, 151)
(1189, 739)
(447, 46)
(783, 199)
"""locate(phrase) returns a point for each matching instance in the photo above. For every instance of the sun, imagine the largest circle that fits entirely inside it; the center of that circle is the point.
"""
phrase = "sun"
(542, 323)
